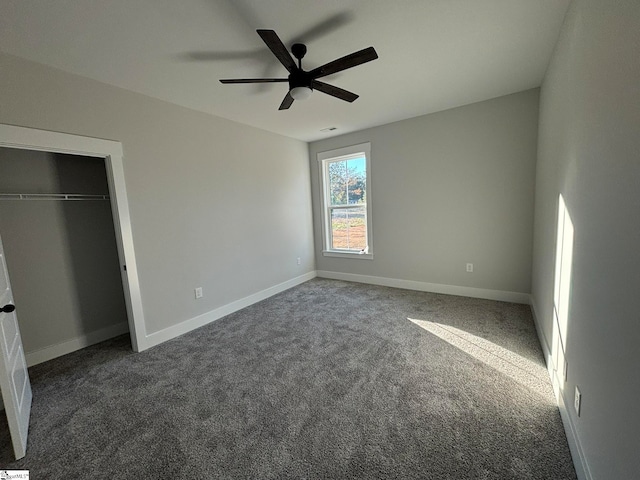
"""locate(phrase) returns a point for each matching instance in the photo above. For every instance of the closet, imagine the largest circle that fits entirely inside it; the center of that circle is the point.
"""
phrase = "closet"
(57, 229)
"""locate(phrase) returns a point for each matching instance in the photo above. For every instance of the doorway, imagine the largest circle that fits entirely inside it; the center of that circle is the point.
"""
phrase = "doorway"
(59, 241)
(110, 153)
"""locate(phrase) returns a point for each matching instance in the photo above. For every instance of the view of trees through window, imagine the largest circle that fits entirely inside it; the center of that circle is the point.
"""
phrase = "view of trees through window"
(347, 203)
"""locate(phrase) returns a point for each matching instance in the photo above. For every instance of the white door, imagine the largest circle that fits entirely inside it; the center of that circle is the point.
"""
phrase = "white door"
(14, 378)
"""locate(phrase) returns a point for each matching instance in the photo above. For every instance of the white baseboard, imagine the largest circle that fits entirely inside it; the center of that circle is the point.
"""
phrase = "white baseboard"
(91, 338)
(503, 296)
(174, 331)
(542, 338)
(577, 453)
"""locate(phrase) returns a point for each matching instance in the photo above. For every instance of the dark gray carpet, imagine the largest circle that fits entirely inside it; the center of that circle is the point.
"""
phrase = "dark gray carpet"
(327, 380)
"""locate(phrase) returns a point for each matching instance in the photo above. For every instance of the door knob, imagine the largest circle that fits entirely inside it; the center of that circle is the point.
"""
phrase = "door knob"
(8, 308)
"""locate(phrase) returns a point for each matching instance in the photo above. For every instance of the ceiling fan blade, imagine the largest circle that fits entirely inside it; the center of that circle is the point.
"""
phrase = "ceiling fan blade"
(277, 47)
(253, 80)
(334, 91)
(348, 61)
(286, 103)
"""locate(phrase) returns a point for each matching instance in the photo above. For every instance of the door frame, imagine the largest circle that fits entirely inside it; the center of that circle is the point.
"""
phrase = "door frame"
(111, 151)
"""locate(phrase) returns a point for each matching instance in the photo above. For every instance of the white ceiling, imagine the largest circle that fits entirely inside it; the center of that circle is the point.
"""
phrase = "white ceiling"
(433, 54)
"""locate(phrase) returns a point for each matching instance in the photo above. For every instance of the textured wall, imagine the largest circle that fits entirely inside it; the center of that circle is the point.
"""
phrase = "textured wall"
(589, 152)
(448, 188)
(213, 203)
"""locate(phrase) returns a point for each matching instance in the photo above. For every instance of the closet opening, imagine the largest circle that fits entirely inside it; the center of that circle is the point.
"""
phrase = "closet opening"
(58, 233)
(82, 185)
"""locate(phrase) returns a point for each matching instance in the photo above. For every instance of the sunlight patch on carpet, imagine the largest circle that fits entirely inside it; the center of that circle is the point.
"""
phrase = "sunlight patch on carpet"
(522, 370)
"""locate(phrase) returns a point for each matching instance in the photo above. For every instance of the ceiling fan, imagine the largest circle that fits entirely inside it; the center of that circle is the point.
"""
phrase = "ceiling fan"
(301, 82)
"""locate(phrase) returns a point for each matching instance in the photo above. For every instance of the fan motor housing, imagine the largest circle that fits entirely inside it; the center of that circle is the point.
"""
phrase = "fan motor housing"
(299, 78)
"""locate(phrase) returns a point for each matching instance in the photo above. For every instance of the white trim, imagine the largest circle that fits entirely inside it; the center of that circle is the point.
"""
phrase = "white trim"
(577, 452)
(42, 140)
(542, 338)
(186, 326)
(500, 295)
(337, 155)
(91, 338)
(124, 235)
(338, 253)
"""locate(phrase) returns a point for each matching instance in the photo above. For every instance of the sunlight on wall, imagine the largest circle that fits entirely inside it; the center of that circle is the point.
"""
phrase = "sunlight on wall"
(561, 295)
(531, 374)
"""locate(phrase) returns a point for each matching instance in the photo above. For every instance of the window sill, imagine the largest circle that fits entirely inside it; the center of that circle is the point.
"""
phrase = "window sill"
(360, 256)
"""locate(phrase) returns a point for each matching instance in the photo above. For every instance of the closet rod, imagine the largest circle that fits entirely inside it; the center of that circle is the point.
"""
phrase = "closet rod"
(51, 196)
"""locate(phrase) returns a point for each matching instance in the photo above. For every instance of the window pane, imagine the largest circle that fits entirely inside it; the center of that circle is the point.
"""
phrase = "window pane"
(338, 183)
(356, 180)
(347, 181)
(349, 228)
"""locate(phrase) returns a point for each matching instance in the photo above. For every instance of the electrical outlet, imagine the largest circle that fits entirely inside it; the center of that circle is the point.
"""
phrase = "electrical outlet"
(298, 260)
(469, 267)
(577, 400)
(198, 292)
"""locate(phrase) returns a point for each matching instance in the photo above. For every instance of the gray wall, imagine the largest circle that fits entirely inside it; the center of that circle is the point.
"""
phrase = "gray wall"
(213, 203)
(448, 188)
(589, 151)
(61, 255)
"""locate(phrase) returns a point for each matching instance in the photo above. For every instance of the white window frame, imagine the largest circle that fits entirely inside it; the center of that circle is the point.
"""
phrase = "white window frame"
(324, 159)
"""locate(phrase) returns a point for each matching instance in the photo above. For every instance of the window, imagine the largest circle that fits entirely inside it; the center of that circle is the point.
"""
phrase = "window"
(346, 201)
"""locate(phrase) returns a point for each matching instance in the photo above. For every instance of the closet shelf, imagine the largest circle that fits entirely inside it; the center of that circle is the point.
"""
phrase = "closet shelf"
(51, 196)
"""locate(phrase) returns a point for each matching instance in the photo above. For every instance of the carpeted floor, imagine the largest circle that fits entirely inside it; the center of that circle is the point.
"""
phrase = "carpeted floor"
(327, 380)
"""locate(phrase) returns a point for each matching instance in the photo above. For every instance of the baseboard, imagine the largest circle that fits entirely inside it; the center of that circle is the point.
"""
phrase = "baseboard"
(174, 331)
(544, 343)
(503, 296)
(577, 453)
(91, 338)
